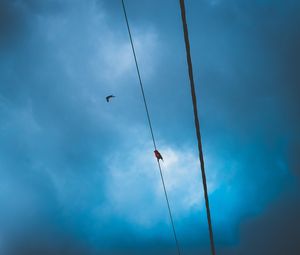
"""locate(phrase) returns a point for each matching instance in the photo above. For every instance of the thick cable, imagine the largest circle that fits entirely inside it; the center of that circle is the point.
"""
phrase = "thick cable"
(197, 125)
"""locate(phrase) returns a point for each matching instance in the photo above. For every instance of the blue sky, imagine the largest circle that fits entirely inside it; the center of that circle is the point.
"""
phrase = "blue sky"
(78, 175)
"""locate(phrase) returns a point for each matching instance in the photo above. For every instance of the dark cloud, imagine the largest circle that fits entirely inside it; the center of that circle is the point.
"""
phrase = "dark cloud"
(12, 22)
(276, 231)
(16, 17)
(48, 240)
(246, 61)
(44, 7)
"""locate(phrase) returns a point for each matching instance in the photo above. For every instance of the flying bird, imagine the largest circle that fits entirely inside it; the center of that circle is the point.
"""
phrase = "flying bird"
(109, 97)
(158, 155)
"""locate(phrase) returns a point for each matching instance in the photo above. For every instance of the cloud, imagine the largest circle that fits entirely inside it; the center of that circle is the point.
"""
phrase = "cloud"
(274, 231)
(118, 58)
(56, 125)
(133, 181)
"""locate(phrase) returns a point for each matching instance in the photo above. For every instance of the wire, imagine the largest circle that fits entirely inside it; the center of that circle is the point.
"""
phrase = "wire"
(197, 125)
(138, 72)
(150, 126)
(169, 209)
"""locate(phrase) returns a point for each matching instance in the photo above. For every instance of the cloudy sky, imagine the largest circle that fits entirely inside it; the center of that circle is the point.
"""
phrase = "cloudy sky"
(78, 175)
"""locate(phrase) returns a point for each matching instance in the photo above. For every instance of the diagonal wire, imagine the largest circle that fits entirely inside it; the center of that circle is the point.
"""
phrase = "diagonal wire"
(197, 125)
(138, 72)
(169, 209)
(151, 129)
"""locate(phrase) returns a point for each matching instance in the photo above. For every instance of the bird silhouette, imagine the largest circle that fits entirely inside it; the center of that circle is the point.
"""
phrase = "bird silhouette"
(109, 97)
(158, 155)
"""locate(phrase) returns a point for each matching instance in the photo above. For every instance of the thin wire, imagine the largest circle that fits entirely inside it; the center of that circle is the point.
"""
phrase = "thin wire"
(151, 130)
(138, 72)
(197, 125)
(169, 209)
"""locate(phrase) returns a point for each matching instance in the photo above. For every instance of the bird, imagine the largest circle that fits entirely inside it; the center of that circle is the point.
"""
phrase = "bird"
(158, 155)
(109, 97)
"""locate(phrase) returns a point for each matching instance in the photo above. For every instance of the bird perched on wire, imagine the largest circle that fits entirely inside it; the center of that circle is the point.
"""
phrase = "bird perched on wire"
(158, 155)
(109, 97)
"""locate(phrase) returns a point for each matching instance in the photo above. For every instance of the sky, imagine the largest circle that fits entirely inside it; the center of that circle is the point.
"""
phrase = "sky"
(78, 175)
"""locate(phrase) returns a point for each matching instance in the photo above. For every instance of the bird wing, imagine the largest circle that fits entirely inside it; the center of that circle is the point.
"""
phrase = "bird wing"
(109, 97)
